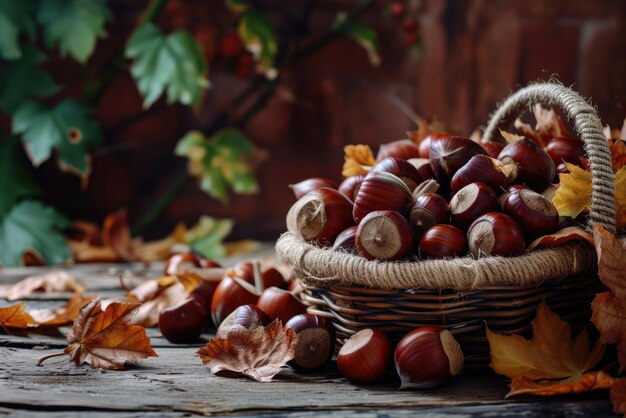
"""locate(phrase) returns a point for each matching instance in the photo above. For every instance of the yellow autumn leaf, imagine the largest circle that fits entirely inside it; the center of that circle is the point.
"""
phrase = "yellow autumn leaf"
(358, 160)
(510, 137)
(574, 194)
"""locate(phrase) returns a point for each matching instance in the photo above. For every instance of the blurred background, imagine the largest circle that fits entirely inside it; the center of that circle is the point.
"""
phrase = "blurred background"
(174, 109)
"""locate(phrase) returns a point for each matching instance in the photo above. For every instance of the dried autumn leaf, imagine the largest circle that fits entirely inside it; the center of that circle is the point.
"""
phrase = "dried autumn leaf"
(618, 396)
(116, 235)
(106, 339)
(550, 354)
(510, 137)
(259, 354)
(15, 317)
(161, 249)
(574, 194)
(55, 281)
(618, 153)
(156, 295)
(561, 237)
(358, 160)
(548, 125)
(61, 315)
(609, 308)
(585, 383)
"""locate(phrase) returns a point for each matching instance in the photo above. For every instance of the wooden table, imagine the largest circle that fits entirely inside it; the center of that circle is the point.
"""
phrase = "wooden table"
(177, 384)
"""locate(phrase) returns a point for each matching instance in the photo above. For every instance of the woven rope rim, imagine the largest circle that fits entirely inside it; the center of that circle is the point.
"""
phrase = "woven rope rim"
(327, 267)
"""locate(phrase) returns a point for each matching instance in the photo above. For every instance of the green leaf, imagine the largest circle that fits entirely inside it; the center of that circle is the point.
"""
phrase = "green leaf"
(16, 180)
(363, 35)
(220, 161)
(23, 78)
(260, 39)
(171, 62)
(207, 235)
(31, 226)
(75, 25)
(69, 127)
(14, 18)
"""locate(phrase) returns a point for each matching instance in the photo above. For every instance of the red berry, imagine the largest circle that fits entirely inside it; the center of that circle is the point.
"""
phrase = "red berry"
(410, 25)
(410, 38)
(398, 10)
(230, 45)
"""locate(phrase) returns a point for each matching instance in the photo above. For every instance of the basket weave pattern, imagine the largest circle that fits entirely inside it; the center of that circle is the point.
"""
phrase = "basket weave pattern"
(464, 294)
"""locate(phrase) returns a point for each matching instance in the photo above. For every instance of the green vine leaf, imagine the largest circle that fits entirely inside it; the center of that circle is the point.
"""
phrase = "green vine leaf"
(75, 25)
(16, 180)
(226, 159)
(31, 226)
(69, 127)
(23, 78)
(207, 234)
(363, 35)
(171, 62)
(260, 39)
(14, 19)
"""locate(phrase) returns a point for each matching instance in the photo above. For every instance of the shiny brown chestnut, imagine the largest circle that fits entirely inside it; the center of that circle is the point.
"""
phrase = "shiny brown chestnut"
(427, 357)
(346, 240)
(381, 191)
(181, 261)
(493, 148)
(184, 322)
(305, 186)
(424, 145)
(350, 186)
(441, 241)
(423, 168)
(536, 168)
(535, 214)
(316, 341)
(230, 294)
(566, 150)
(495, 234)
(248, 316)
(280, 304)
(448, 154)
(365, 357)
(403, 148)
(320, 216)
(481, 168)
(472, 201)
(384, 235)
(402, 169)
(428, 210)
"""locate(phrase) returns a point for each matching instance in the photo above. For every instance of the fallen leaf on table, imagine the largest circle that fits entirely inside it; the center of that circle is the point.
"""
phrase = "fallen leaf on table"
(560, 237)
(358, 160)
(259, 354)
(61, 315)
(609, 308)
(156, 295)
(550, 354)
(618, 396)
(548, 125)
(106, 339)
(55, 281)
(14, 316)
(116, 235)
(585, 383)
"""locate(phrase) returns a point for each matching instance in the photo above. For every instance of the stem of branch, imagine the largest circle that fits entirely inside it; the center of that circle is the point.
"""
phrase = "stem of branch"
(44, 358)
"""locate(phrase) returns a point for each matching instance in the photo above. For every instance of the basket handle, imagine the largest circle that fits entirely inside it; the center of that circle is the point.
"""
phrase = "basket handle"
(588, 126)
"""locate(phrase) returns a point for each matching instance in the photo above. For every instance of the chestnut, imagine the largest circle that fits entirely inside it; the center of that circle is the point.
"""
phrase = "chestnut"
(305, 186)
(427, 186)
(472, 201)
(384, 235)
(403, 169)
(448, 154)
(536, 168)
(229, 295)
(346, 240)
(441, 241)
(427, 357)
(180, 261)
(274, 278)
(403, 148)
(493, 148)
(495, 234)
(481, 168)
(182, 323)
(320, 216)
(533, 212)
(424, 145)
(248, 316)
(350, 186)
(381, 191)
(243, 270)
(365, 357)
(566, 150)
(315, 345)
(423, 167)
(280, 304)
(428, 210)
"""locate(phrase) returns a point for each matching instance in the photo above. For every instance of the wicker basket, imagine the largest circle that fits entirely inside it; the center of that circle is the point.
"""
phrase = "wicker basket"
(464, 294)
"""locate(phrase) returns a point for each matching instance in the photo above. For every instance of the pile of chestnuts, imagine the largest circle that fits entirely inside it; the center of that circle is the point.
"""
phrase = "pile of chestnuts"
(446, 197)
